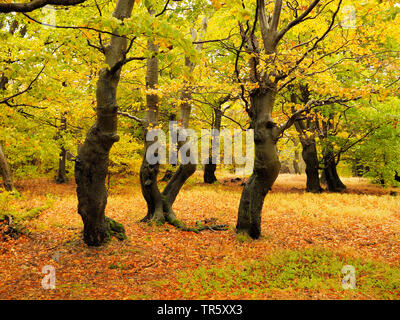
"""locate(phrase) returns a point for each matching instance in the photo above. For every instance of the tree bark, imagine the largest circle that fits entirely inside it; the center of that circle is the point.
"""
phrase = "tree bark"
(91, 164)
(331, 177)
(333, 182)
(149, 172)
(306, 130)
(266, 164)
(5, 172)
(309, 155)
(209, 171)
(211, 166)
(266, 161)
(160, 204)
(62, 173)
(185, 171)
(266, 132)
(296, 159)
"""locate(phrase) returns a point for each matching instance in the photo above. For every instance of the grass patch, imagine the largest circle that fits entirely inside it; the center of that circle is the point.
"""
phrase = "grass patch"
(7, 208)
(311, 270)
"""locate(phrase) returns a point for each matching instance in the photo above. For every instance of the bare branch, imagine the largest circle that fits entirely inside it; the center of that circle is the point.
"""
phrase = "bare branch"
(164, 9)
(309, 105)
(296, 21)
(29, 87)
(130, 116)
(35, 4)
(73, 27)
(276, 15)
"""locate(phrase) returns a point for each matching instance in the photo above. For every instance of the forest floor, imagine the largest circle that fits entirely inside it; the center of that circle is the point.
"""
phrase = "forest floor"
(306, 240)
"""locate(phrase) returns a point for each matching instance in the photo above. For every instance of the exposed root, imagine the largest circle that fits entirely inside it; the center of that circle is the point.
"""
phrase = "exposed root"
(200, 226)
(9, 229)
(170, 217)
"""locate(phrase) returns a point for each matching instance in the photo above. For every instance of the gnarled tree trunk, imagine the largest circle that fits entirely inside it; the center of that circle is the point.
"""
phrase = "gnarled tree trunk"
(266, 164)
(5, 172)
(266, 132)
(91, 164)
(333, 182)
(309, 154)
(310, 157)
(160, 204)
(306, 130)
(149, 171)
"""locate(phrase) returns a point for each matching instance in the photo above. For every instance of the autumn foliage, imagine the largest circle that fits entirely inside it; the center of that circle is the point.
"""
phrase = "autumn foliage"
(307, 240)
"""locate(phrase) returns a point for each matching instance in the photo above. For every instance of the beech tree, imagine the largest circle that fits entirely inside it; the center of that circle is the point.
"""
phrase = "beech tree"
(261, 106)
(91, 164)
(278, 56)
(159, 204)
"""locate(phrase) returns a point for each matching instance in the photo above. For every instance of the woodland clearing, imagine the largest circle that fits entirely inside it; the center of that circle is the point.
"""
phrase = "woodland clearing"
(307, 239)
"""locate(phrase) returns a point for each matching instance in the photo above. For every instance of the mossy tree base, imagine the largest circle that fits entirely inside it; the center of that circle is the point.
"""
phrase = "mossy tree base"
(115, 229)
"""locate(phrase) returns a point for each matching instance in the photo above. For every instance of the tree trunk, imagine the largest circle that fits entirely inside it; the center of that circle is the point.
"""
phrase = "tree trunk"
(160, 205)
(266, 164)
(211, 166)
(310, 158)
(296, 159)
(185, 171)
(5, 172)
(148, 171)
(91, 164)
(333, 182)
(62, 173)
(209, 171)
(174, 186)
(306, 130)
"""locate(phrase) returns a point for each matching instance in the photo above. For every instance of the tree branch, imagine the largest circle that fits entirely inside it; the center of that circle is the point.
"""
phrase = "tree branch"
(29, 87)
(311, 104)
(35, 4)
(296, 21)
(130, 116)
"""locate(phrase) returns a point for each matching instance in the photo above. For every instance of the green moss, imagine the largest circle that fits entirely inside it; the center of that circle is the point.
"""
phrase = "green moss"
(115, 229)
(177, 223)
(243, 237)
(199, 224)
(159, 223)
